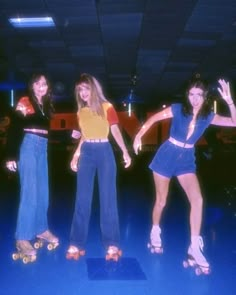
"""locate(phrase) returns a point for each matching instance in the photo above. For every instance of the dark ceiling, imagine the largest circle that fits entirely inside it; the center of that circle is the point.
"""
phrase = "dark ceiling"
(150, 46)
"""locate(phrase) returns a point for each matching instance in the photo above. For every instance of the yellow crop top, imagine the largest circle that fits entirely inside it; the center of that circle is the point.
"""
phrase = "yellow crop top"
(94, 126)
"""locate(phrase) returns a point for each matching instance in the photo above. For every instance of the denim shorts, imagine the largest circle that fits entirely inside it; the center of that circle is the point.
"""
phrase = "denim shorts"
(172, 160)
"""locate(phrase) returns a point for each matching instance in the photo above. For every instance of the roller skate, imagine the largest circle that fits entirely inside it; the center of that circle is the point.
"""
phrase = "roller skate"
(113, 253)
(46, 238)
(74, 253)
(155, 244)
(195, 257)
(25, 252)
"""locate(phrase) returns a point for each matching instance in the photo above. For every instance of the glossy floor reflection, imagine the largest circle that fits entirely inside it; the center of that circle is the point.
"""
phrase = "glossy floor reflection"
(139, 271)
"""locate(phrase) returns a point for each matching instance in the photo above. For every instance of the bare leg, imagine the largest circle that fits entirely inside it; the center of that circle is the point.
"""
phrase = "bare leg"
(161, 186)
(190, 184)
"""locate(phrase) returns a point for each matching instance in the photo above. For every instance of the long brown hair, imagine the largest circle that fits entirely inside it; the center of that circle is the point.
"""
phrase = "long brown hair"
(206, 107)
(97, 95)
(47, 105)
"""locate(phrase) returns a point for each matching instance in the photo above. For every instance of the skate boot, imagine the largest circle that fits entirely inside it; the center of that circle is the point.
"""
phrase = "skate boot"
(113, 253)
(155, 244)
(74, 253)
(46, 238)
(195, 257)
(25, 252)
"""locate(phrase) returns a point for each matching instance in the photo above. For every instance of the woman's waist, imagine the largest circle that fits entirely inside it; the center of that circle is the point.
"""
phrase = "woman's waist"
(37, 131)
(33, 140)
(180, 143)
(96, 140)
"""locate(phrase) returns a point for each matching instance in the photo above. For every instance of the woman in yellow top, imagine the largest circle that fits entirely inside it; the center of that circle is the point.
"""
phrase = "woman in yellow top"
(94, 155)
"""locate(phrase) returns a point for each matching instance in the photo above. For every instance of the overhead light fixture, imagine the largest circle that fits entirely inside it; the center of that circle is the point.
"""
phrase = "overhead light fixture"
(32, 22)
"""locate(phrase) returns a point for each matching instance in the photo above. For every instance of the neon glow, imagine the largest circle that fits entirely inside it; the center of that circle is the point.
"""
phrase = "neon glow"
(32, 22)
(129, 109)
(12, 97)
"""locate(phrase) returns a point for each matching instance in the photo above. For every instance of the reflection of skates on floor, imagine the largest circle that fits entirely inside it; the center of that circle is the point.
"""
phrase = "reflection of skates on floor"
(155, 244)
(46, 238)
(113, 253)
(74, 253)
(25, 252)
(195, 257)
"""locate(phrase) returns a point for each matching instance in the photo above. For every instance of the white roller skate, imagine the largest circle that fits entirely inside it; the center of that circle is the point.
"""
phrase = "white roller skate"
(155, 244)
(25, 252)
(113, 253)
(47, 238)
(195, 257)
(74, 252)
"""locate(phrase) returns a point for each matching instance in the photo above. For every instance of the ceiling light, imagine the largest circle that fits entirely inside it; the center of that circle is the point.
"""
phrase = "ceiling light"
(32, 22)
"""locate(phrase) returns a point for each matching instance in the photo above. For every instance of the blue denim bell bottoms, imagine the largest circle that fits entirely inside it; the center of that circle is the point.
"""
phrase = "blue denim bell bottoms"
(34, 192)
(96, 158)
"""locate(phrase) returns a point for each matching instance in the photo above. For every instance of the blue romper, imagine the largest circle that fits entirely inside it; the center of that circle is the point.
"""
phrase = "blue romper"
(172, 160)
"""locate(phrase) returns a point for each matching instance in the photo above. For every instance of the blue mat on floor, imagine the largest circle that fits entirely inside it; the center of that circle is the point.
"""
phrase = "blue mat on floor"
(124, 269)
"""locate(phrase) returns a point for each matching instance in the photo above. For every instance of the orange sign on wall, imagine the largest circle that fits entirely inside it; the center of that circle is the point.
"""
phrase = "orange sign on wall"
(130, 124)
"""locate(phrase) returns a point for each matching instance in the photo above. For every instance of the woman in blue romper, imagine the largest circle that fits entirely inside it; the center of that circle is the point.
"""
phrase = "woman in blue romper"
(176, 157)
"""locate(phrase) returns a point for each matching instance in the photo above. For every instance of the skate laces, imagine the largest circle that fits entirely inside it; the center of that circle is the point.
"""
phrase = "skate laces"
(48, 236)
(201, 244)
(196, 251)
(25, 246)
(155, 236)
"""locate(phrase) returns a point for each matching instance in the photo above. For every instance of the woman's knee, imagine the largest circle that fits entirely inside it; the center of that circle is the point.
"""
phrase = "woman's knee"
(196, 201)
(160, 201)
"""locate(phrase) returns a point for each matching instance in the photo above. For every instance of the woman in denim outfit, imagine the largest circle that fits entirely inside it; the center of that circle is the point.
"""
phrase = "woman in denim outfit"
(176, 157)
(94, 155)
(27, 152)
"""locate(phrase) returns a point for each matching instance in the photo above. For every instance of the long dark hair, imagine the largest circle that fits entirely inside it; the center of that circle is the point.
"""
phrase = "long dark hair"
(47, 105)
(207, 104)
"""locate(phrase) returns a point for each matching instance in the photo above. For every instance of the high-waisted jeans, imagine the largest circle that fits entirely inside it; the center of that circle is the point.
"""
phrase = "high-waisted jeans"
(34, 192)
(96, 158)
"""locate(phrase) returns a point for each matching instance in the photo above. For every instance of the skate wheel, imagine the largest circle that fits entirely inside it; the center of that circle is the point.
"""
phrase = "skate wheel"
(185, 264)
(15, 256)
(36, 245)
(198, 271)
(68, 256)
(33, 258)
(50, 247)
(74, 256)
(25, 260)
(155, 250)
(107, 257)
(158, 250)
(81, 252)
(205, 271)
(150, 248)
(114, 257)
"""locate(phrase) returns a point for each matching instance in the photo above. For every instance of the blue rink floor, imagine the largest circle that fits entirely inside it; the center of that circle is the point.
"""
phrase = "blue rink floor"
(138, 272)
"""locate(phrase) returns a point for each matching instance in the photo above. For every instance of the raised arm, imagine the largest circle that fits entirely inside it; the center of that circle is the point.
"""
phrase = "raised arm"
(224, 90)
(159, 116)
